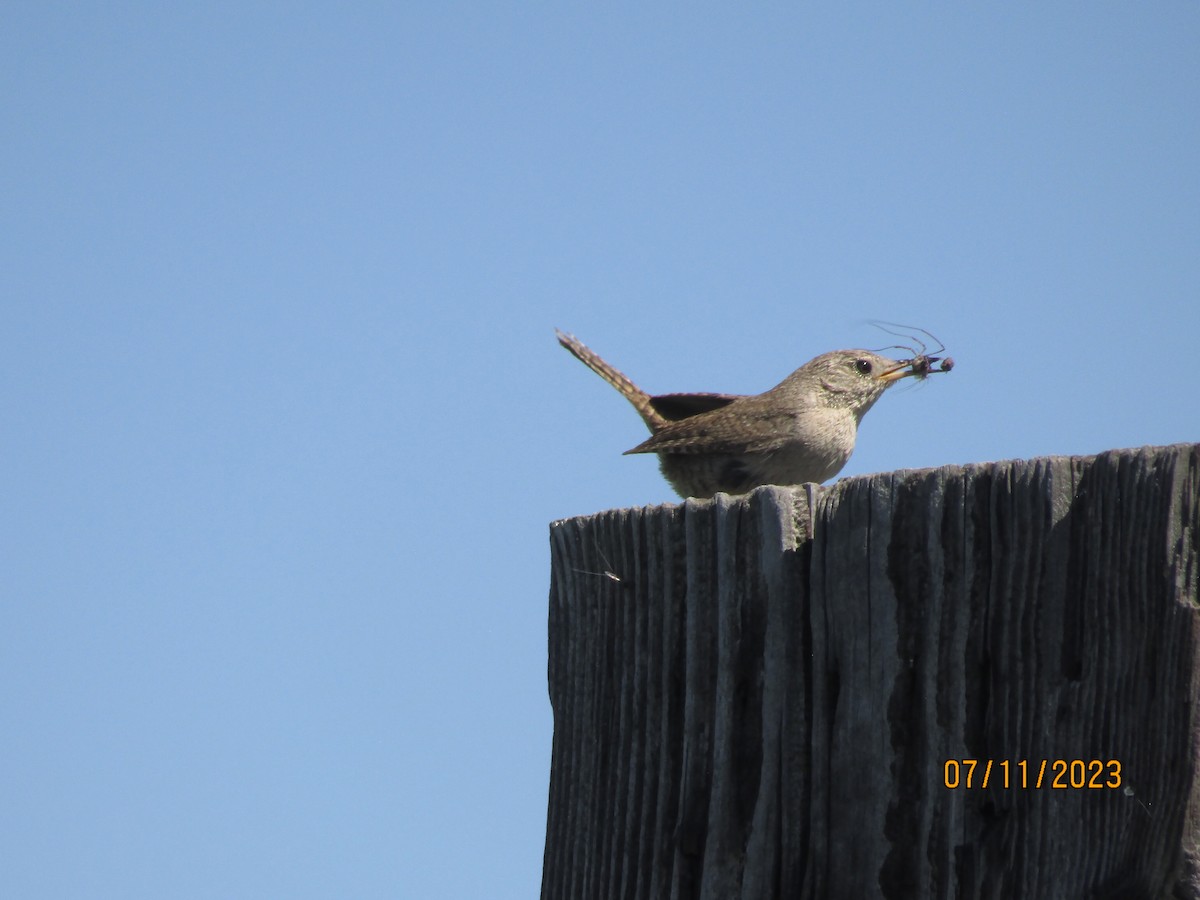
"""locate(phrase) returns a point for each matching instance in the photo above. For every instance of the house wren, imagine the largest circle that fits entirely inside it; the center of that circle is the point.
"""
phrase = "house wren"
(801, 430)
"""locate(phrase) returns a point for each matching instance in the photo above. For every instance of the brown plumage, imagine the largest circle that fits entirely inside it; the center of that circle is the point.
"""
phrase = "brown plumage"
(801, 430)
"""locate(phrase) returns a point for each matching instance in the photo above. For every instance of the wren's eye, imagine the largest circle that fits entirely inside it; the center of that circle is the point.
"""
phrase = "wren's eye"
(863, 366)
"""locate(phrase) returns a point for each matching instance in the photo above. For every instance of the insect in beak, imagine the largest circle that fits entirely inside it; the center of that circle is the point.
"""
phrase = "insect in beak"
(920, 365)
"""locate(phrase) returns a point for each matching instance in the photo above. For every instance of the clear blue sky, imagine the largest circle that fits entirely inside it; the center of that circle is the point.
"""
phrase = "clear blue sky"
(284, 417)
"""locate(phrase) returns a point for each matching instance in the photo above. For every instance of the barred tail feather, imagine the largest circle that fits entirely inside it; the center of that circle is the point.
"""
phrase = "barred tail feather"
(630, 391)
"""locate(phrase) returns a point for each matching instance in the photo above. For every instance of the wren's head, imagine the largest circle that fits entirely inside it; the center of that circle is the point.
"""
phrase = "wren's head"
(845, 379)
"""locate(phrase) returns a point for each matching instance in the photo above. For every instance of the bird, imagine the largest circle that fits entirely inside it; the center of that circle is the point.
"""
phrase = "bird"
(802, 430)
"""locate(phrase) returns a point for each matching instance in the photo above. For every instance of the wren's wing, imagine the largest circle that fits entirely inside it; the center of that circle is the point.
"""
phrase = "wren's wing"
(675, 407)
(750, 426)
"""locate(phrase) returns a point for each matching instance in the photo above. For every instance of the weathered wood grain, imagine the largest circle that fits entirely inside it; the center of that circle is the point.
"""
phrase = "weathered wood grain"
(757, 696)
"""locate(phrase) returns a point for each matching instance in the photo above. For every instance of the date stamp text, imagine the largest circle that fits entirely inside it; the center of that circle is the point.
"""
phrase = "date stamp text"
(1056, 774)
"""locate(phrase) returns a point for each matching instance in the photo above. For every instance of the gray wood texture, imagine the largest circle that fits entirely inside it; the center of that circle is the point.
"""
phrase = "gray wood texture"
(757, 696)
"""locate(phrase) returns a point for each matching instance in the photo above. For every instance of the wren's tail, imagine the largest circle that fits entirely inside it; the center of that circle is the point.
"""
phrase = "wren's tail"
(630, 391)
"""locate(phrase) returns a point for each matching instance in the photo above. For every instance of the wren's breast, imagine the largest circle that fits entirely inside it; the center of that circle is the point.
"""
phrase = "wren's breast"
(800, 464)
(815, 454)
(705, 475)
(816, 457)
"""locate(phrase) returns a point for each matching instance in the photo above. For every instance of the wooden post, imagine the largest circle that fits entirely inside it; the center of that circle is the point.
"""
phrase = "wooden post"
(964, 682)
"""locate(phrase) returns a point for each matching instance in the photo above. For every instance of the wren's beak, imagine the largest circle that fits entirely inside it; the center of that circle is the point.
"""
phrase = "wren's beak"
(901, 370)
